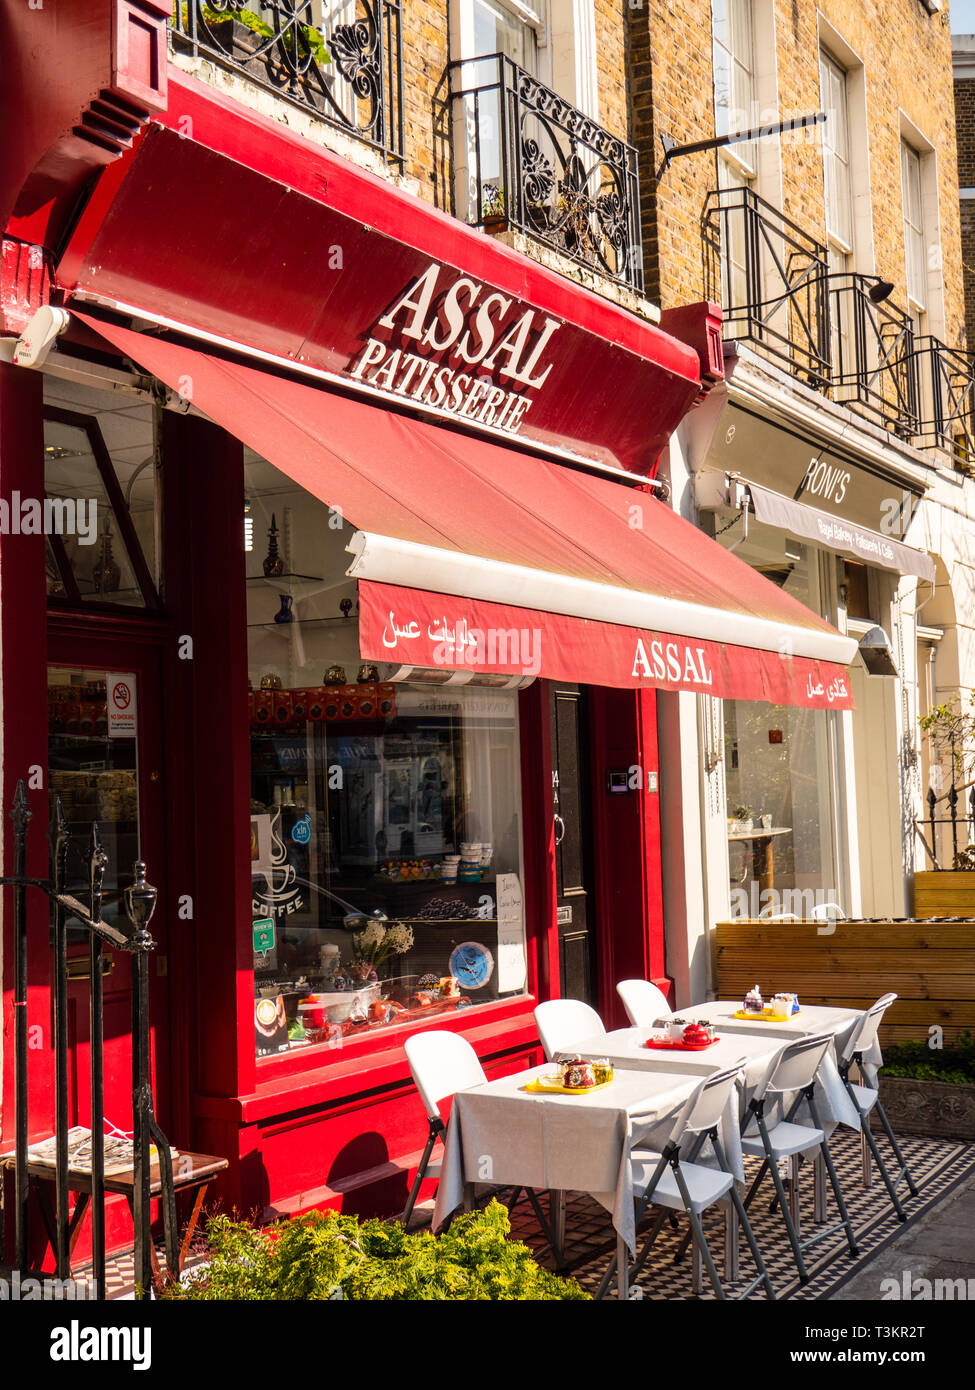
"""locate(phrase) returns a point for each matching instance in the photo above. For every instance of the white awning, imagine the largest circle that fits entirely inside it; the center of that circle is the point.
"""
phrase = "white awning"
(836, 533)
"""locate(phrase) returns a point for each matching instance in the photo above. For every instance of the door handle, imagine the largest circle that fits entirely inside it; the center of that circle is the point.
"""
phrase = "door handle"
(559, 829)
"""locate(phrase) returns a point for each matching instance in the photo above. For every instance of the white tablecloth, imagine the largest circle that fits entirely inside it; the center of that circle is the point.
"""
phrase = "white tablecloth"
(833, 1101)
(625, 1048)
(499, 1133)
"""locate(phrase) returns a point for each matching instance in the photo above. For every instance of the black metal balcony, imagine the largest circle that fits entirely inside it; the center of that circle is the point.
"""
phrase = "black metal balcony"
(770, 278)
(873, 365)
(525, 158)
(830, 330)
(947, 388)
(350, 74)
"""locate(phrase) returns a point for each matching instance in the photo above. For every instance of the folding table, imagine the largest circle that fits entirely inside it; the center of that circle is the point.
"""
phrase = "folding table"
(501, 1133)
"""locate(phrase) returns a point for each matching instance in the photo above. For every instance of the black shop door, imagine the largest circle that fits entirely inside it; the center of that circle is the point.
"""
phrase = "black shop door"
(573, 841)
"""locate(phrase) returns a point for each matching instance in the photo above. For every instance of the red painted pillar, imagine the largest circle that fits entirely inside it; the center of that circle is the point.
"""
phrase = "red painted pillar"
(539, 841)
(23, 740)
(626, 836)
(208, 752)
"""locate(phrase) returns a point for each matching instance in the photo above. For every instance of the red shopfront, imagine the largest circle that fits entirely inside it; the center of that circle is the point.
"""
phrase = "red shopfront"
(453, 438)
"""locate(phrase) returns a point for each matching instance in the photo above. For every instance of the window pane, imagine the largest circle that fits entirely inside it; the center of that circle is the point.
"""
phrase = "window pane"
(498, 30)
(732, 56)
(836, 152)
(96, 778)
(86, 536)
(367, 796)
(913, 225)
(778, 761)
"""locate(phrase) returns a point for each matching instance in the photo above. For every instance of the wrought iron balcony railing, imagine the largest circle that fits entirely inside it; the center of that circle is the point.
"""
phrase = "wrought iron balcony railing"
(947, 386)
(525, 158)
(873, 365)
(769, 277)
(347, 68)
(828, 328)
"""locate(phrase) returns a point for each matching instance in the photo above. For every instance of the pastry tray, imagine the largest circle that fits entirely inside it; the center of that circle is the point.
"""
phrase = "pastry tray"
(671, 1046)
(765, 1018)
(538, 1087)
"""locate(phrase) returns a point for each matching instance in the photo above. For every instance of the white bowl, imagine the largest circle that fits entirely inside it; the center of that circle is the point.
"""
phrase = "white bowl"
(338, 1004)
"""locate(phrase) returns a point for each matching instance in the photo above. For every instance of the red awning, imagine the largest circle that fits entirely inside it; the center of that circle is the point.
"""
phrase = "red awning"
(471, 554)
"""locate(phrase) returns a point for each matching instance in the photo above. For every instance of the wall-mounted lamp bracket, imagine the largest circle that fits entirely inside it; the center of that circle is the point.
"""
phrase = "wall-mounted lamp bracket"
(673, 151)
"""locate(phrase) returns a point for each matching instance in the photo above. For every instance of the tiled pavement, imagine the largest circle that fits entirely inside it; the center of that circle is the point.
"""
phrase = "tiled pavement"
(939, 1233)
(938, 1240)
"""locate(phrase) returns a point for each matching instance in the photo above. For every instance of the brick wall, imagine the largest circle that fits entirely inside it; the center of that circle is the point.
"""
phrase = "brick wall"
(426, 109)
(965, 133)
(671, 92)
(611, 68)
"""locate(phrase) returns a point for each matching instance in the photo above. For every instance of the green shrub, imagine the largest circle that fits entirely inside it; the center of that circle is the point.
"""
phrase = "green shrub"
(328, 1256)
(922, 1063)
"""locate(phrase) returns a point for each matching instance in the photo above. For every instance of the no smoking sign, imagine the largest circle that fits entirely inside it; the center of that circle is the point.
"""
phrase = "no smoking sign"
(120, 688)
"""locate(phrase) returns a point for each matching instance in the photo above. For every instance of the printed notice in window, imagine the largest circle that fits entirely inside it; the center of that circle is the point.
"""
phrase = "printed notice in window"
(120, 689)
(511, 936)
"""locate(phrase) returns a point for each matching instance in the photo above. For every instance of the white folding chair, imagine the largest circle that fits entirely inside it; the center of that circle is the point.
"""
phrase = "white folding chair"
(643, 1002)
(865, 1098)
(562, 1023)
(674, 1181)
(441, 1064)
(793, 1071)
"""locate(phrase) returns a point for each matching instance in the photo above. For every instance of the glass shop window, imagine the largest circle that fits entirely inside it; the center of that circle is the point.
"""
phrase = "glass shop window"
(781, 773)
(94, 773)
(385, 814)
(780, 808)
(101, 498)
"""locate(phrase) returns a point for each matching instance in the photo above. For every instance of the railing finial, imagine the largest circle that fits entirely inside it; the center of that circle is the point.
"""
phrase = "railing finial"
(20, 813)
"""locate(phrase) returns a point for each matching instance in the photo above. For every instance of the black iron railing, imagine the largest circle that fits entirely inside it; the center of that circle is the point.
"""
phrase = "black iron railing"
(946, 837)
(349, 70)
(139, 899)
(526, 158)
(873, 358)
(947, 390)
(832, 330)
(769, 277)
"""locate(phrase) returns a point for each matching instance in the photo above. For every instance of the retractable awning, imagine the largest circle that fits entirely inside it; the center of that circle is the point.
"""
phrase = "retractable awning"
(470, 554)
(836, 533)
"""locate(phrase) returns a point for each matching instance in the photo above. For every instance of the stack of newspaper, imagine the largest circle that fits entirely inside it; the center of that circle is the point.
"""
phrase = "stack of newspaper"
(119, 1152)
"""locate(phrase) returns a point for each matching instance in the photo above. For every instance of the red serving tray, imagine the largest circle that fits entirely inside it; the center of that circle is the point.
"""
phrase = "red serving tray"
(681, 1046)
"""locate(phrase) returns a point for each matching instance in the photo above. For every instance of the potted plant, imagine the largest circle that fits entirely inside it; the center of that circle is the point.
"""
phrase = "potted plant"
(493, 218)
(249, 32)
(930, 1092)
(948, 889)
(741, 821)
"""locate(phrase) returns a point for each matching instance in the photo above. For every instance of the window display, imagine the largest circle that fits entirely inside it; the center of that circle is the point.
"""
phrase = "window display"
(93, 771)
(385, 815)
(780, 766)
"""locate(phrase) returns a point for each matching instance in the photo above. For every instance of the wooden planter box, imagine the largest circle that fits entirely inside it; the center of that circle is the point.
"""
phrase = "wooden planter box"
(930, 966)
(938, 1109)
(950, 893)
